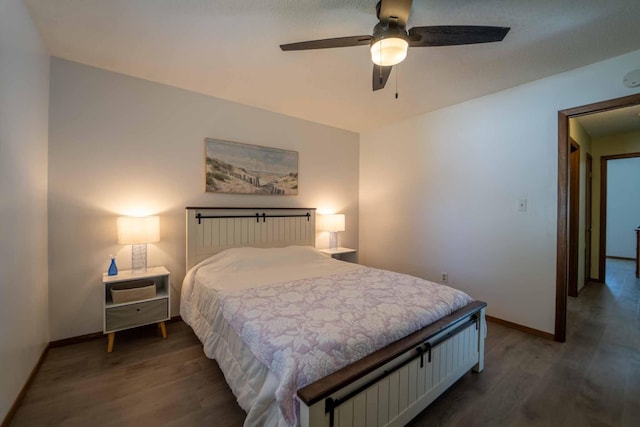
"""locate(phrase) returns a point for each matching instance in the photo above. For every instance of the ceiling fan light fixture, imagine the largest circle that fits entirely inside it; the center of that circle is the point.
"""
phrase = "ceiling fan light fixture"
(390, 38)
(389, 51)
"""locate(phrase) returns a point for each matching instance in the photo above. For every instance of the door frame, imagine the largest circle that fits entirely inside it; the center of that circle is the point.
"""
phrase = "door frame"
(588, 218)
(574, 216)
(562, 242)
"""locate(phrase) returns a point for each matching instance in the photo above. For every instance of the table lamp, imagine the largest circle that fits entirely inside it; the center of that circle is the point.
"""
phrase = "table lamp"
(138, 231)
(332, 223)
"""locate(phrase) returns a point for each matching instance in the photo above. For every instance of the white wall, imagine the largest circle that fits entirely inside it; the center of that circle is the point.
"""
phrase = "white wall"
(121, 145)
(623, 206)
(439, 192)
(24, 97)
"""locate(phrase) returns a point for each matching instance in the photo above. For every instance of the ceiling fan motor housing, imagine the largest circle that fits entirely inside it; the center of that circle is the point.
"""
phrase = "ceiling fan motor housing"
(389, 44)
(385, 30)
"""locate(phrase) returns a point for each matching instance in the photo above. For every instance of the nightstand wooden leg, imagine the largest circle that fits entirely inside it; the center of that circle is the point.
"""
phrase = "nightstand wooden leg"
(112, 337)
(163, 328)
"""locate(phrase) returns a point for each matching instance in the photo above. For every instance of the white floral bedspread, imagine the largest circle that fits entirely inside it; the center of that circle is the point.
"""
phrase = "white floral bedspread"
(306, 329)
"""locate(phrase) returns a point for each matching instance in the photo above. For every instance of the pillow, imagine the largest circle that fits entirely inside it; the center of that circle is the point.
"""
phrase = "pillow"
(255, 258)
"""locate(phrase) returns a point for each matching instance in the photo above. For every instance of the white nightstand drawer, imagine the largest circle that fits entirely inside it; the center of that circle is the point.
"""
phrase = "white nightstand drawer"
(136, 314)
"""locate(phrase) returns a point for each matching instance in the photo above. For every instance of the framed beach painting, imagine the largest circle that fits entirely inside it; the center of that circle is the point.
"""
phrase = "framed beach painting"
(237, 168)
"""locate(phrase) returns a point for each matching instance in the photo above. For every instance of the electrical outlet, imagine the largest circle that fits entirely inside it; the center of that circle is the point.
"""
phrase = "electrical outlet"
(445, 277)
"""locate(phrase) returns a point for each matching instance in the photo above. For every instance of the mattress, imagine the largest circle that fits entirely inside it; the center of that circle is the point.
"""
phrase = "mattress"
(278, 319)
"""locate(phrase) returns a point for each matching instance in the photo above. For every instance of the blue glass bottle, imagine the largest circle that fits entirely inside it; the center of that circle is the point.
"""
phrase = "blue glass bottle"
(113, 268)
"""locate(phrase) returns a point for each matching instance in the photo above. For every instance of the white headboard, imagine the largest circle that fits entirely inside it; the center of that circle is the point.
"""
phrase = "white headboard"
(211, 230)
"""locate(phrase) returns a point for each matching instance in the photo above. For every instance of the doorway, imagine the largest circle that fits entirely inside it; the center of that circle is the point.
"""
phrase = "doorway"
(604, 176)
(563, 237)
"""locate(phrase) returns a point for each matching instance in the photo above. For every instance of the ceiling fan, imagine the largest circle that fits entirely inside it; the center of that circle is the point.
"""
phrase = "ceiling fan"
(391, 40)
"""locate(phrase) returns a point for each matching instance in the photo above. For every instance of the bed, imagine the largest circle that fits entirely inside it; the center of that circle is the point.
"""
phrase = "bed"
(303, 339)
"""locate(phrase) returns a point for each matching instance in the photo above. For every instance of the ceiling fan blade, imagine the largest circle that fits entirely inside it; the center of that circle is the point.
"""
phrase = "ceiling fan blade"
(449, 35)
(380, 76)
(328, 43)
(397, 10)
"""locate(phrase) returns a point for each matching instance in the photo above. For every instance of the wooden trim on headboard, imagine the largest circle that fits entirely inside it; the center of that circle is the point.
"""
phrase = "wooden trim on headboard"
(253, 209)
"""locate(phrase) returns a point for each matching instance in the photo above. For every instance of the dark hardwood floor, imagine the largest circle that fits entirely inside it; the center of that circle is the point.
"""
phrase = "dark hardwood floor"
(146, 381)
(591, 380)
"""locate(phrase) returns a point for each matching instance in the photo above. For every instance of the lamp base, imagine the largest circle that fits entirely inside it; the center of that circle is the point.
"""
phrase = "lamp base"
(333, 240)
(139, 258)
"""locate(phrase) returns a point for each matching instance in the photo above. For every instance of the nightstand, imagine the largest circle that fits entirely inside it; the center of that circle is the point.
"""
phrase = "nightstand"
(343, 254)
(126, 315)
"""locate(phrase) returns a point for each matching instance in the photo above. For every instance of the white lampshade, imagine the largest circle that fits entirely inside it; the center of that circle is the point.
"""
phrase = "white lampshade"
(138, 230)
(389, 51)
(332, 223)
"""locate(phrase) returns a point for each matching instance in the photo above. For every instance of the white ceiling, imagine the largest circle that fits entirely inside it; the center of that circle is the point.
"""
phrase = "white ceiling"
(229, 49)
(622, 120)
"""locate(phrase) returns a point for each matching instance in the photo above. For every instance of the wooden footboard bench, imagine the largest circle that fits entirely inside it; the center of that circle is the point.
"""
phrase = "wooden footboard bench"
(394, 384)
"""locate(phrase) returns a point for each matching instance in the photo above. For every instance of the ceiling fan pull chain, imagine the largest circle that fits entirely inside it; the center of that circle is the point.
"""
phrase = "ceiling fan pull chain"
(396, 73)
